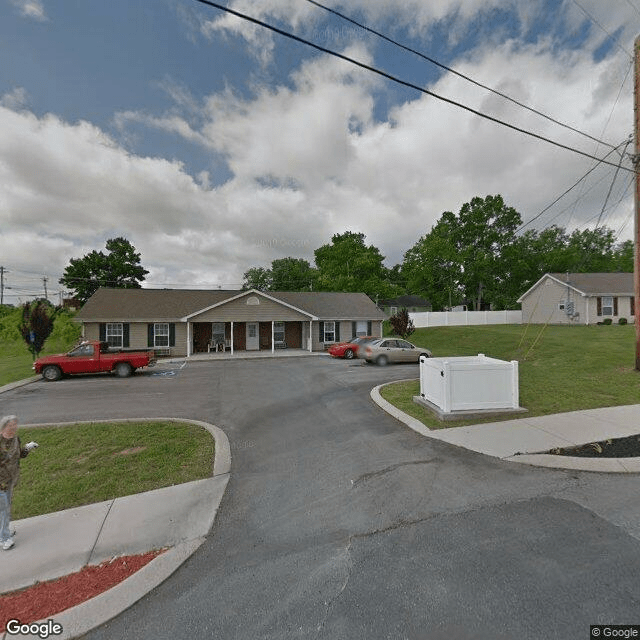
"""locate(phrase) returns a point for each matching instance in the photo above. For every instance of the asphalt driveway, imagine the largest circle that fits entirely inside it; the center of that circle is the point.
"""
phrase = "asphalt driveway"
(339, 522)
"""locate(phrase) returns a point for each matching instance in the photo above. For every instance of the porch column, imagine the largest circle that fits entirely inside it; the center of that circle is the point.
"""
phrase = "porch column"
(310, 336)
(273, 347)
(232, 337)
(188, 338)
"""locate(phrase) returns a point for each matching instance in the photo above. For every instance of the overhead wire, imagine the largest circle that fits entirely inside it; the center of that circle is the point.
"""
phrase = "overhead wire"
(457, 73)
(404, 83)
(601, 27)
(564, 193)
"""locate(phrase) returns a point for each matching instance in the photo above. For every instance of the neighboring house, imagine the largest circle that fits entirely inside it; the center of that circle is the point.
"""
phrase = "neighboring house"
(184, 322)
(410, 303)
(579, 298)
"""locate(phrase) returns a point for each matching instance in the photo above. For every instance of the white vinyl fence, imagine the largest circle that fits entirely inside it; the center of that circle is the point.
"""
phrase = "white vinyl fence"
(464, 318)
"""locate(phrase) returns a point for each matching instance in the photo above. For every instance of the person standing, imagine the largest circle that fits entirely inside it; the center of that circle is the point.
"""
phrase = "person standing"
(10, 454)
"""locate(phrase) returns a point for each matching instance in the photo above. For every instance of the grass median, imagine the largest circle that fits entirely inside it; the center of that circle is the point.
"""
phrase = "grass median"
(561, 368)
(91, 462)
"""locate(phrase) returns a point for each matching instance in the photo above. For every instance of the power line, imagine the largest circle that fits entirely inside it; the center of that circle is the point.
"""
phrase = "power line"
(634, 6)
(405, 83)
(457, 73)
(601, 27)
(615, 176)
(564, 193)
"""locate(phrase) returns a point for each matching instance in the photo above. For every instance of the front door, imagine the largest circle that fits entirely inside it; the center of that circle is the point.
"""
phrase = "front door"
(253, 336)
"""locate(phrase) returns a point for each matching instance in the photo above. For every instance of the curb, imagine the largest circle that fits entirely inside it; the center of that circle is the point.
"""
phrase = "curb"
(19, 383)
(96, 611)
(549, 461)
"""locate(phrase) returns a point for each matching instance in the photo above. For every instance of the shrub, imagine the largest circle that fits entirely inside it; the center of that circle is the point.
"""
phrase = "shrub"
(607, 321)
(622, 321)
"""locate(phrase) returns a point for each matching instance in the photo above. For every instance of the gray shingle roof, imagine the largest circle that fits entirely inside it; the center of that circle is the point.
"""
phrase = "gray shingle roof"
(174, 304)
(599, 283)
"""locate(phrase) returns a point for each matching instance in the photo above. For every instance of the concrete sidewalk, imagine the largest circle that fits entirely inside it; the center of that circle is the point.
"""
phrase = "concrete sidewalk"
(176, 518)
(525, 440)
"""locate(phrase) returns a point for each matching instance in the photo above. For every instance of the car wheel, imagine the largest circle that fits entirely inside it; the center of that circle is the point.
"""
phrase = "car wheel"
(382, 361)
(123, 370)
(348, 354)
(51, 373)
(426, 355)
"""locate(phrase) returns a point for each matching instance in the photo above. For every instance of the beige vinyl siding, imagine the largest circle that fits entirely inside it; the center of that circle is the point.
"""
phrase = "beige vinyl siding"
(542, 304)
(240, 311)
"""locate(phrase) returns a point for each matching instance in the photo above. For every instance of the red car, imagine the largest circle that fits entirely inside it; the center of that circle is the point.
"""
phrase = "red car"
(349, 349)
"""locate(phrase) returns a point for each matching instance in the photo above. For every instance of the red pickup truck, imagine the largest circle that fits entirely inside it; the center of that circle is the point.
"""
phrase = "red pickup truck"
(93, 356)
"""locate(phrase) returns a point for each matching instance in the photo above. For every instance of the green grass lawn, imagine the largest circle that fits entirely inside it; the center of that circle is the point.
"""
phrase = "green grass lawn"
(561, 368)
(86, 463)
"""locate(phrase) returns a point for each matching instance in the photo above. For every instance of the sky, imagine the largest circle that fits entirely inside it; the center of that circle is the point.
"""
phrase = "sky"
(214, 144)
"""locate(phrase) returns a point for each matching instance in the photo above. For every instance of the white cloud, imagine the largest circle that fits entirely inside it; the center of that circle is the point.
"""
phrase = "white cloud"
(33, 9)
(309, 160)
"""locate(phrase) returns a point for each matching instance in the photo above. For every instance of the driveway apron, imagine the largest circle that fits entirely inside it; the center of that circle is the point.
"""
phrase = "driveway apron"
(340, 522)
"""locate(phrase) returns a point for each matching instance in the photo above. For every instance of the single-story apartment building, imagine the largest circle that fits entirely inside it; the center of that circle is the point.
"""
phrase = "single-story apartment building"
(183, 322)
(579, 298)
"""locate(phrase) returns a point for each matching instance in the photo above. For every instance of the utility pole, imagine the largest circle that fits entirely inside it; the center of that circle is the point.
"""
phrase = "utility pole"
(636, 164)
(1, 285)
(44, 281)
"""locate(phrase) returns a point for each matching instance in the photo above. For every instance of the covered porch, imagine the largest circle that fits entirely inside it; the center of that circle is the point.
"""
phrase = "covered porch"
(248, 336)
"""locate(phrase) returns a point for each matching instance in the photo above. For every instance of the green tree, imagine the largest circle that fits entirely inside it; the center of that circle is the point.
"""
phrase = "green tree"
(257, 278)
(37, 324)
(119, 267)
(292, 274)
(431, 268)
(348, 264)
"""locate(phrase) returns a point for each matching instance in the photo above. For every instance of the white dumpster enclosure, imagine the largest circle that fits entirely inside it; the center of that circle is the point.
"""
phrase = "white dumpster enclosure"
(469, 384)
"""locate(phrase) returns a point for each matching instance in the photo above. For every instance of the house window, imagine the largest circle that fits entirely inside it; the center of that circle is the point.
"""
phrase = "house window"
(361, 328)
(329, 331)
(114, 334)
(561, 306)
(393, 310)
(278, 331)
(217, 332)
(161, 334)
(607, 305)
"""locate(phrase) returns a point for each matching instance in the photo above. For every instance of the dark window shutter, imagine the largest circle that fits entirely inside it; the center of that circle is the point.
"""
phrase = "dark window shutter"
(369, 328)
(149, 335)
(172, 334)
(354, 328)
(632, 301)
(337, 337)
(615, 306)
(599, 310)
(103, 332)
(321, 331)
(125, 335)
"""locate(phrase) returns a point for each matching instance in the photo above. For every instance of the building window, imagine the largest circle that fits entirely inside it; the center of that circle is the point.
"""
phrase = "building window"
(361, 328)
(393, 310)
(253, 300)
(607, 305)
(278, 332)
(114, 334)
(329, 331)
(561, 306)
(161, 334)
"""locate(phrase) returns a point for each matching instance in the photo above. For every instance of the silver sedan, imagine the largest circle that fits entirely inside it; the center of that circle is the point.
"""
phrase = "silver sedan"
(391, 350)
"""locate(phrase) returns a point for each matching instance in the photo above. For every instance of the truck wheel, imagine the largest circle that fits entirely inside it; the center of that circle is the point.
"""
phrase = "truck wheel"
(123, 370)
(51, 373)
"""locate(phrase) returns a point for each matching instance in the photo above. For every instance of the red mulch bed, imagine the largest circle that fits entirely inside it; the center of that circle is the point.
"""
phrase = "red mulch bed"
(46, 599)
